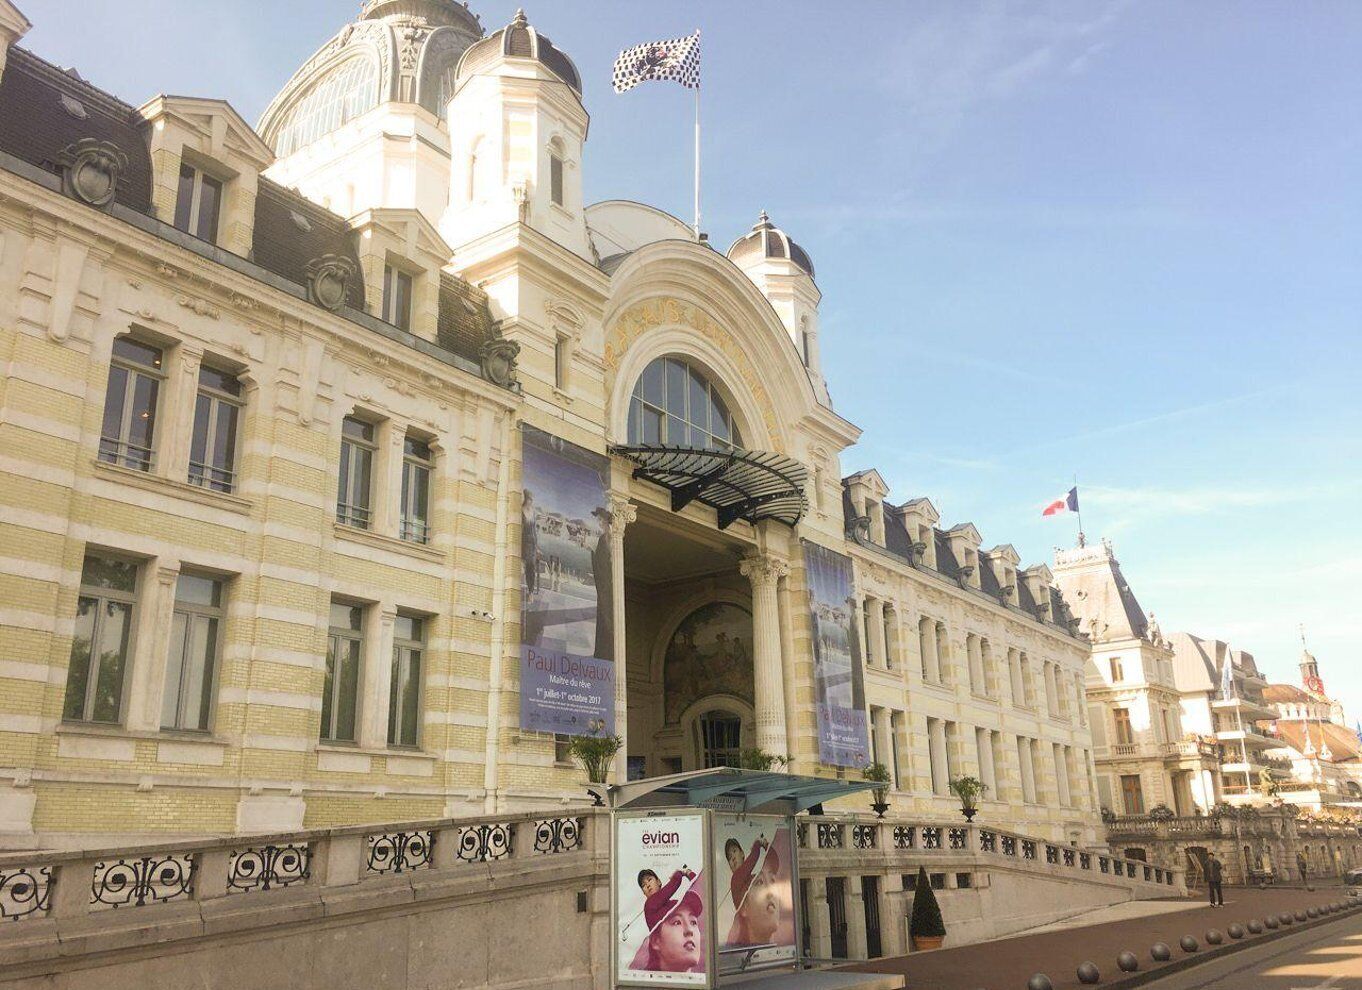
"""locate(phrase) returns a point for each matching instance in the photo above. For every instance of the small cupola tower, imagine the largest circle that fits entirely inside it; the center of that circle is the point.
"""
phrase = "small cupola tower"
(783, 271)
(1310, 668)
(517, 130)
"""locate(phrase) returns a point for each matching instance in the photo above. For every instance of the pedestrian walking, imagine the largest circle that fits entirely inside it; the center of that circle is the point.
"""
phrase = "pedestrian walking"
(1214, 887)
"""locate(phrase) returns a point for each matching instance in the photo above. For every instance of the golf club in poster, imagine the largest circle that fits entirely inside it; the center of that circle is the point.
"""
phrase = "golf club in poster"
(661, 915)
(754, 891)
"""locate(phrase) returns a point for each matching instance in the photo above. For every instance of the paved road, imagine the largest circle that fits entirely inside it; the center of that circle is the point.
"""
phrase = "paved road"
(1006, 964)
(1325, 958)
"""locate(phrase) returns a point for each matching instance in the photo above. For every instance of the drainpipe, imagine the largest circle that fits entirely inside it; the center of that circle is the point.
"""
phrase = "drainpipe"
(495, 673)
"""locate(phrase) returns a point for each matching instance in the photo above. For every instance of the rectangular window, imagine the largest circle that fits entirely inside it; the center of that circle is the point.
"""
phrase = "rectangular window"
(404, 701)
(1117, 674)
(198, 203)
(561, 741)
(556, 179)
(355, 482)
(99, 649)
(1125, 736)
(217, 414)
(195, 629)
(128, 435)
(1132, 794)
(344, 654)
(396, 298)
(416, 469)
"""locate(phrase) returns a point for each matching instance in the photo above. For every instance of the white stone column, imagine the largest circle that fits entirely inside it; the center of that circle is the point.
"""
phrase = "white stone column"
(1062, 775)
(936, 749)
(765, 572)
(176, 425)
(884, 739)
(934, 630)
(941, 655)
(150, 648)
(1028, 770)
(622, 513)
(375, 677)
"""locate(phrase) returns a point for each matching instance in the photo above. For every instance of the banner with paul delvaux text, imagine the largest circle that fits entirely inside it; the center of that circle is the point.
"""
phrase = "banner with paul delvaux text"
(839, 688)
(567, 670)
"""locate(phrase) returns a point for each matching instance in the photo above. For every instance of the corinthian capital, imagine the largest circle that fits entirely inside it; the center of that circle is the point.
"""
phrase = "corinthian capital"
(762, 569)
(622, 513)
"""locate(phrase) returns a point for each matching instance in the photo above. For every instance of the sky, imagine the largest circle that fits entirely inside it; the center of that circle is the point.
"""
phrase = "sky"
(1116, 240)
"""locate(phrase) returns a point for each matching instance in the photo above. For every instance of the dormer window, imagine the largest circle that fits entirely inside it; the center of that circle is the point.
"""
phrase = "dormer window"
(198, 203)
(396, 297)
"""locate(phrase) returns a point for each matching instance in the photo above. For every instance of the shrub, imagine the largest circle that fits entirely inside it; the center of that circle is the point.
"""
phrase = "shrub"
(595, 754)
(926, 921)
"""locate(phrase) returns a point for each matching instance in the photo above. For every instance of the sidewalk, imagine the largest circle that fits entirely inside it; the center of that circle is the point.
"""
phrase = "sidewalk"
(1006, 964)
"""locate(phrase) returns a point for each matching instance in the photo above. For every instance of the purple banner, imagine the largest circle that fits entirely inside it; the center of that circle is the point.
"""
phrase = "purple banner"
(839, 691)
(567, 674)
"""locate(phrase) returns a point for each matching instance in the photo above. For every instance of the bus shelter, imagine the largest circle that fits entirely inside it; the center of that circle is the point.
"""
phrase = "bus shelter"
(704, 874)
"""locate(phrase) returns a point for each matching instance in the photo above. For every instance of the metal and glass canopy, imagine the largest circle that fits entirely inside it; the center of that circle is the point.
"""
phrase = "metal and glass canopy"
(737, 790)
(737, 483)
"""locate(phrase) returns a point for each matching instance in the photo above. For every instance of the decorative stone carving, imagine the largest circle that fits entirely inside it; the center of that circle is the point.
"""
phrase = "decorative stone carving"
(90, 170)
(200, 307)
(499, 360)
(328, 280)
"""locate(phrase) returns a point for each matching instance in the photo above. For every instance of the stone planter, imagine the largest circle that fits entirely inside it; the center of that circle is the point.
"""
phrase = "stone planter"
(925, 943)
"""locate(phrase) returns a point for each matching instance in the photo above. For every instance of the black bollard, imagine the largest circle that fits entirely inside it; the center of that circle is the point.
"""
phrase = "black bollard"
(1255, 926)
(1213, 937)
(1160, 952)
(1128, 962)
(1039, 982)
(1235, 930)
(1188, 943)
(1089, 973)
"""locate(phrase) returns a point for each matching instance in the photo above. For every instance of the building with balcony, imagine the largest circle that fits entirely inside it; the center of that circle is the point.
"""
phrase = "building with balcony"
(1145, 755)
(1313, 741)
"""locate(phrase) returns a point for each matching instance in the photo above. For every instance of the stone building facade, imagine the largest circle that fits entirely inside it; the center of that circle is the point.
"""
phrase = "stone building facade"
(262, 459)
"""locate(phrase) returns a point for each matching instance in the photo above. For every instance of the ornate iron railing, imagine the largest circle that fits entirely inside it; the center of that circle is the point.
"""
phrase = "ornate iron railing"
(557, 835)
(830, 835)
(136, 882)
(485, 843)
(25, 892)
(958, 838)
(931, 837)
(865, 836)
(400, 852)
(905, 837)
(268, 867)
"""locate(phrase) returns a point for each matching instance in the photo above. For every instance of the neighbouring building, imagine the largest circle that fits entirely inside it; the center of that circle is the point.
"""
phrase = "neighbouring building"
(315, 436)
(1311, 733)
(1146, 756)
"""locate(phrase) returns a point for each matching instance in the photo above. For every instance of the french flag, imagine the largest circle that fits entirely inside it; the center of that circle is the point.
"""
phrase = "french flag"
(1069, 503)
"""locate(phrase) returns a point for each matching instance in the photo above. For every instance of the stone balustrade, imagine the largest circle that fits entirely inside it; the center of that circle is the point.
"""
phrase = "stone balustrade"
(61, 885)
(823, 837)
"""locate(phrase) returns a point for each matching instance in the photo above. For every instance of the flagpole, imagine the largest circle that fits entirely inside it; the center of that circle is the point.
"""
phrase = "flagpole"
(697, 159)
(1082, 540)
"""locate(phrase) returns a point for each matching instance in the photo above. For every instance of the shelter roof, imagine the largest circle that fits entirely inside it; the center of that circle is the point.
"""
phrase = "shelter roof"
(739, 790)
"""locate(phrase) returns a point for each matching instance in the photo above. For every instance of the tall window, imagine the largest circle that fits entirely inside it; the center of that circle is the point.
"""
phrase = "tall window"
(556, 174)
(217, 412)
(1118, 674)
(340, 692)
(720, 739)
(99, 649)
(674, 403)
(198, 203)
(340, 96)
(194, 636)
(355, 483)
(396, 297)
(416, 467)
(404, 701)
(128, 436)
(1132, 794)
(1124, 734)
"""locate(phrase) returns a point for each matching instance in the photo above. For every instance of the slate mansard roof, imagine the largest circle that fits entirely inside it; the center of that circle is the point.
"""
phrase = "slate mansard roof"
(45, 109)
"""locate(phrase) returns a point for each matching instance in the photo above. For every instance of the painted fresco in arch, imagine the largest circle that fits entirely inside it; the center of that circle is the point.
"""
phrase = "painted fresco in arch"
(710, 653)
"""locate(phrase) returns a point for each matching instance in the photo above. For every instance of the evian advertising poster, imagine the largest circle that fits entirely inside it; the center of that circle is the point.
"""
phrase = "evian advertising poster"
(661, 907)
(838, 688)
(754, 891)
(567, 677)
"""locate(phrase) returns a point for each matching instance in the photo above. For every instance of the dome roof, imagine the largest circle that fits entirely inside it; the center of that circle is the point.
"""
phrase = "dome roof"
(766, 240)
(397, 51)
(519, 40)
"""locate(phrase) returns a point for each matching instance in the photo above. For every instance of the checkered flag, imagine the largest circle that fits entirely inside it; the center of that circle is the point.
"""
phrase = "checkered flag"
(677, 60)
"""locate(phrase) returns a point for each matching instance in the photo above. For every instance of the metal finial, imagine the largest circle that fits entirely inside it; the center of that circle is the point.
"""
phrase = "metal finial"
(763, 219)
(519, 19)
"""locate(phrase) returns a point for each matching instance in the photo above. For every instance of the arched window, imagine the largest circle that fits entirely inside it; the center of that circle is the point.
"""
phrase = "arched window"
(341, 95)
(720, 739)
(674, 403)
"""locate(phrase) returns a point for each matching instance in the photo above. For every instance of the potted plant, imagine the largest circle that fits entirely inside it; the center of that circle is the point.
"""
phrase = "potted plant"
(878, 773)
(754, 758)
(595, 754)
(968, 790)
(926, 928)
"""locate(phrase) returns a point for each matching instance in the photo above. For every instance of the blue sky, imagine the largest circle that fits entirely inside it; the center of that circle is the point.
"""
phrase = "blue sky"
(1113, 239)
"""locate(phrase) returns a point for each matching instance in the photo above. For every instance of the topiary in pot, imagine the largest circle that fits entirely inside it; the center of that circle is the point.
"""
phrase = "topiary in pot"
(968, 790)
(878, 773)
(926, 928)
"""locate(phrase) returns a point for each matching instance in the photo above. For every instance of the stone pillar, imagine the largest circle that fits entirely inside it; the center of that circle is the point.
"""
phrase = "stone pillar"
(935, 633)
(177, 415)
(820, 920)
(622, 513)
(884, 739)
(856, 940)
(936, 749)
(1062, 775)
(1028, 770)
(765, 572)
(150, 649)
(924, 629)
(878, 648)
(375, 677)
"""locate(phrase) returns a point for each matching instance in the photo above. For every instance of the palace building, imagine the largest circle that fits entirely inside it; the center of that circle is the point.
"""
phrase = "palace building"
(351, 463)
